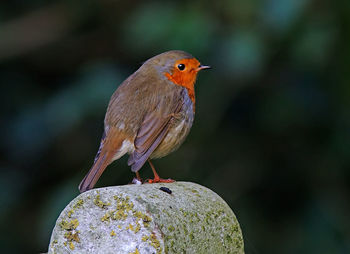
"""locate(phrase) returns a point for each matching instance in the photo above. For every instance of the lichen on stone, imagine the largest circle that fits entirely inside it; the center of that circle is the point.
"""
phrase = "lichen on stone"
(145, 238)
(152, 241)
(121, 212)
(70, 236)
(69, 225)
(145, 218)
(71, 245)
(76, 206)
(155, 243)
(54, 242)
(138, 227)
(135, 252)
(107, 216)
(100, 203)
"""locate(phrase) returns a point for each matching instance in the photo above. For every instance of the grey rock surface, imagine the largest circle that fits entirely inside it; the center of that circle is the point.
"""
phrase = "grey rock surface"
(147, 218)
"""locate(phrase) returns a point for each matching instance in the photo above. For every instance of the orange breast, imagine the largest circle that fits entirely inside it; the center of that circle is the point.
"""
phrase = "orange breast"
(186, 78)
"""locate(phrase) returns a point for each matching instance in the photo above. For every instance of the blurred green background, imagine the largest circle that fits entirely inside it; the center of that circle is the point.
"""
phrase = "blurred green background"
(272, 128)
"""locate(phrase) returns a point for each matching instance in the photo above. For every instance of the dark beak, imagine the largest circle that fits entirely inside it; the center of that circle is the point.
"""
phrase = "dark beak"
(203, 67)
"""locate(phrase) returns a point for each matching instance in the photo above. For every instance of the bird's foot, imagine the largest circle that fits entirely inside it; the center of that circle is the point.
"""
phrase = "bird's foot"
(159, 180)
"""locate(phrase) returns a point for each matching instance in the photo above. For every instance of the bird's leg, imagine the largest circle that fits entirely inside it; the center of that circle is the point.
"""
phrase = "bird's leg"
(138, 176)
(157, 179)
(138, 179)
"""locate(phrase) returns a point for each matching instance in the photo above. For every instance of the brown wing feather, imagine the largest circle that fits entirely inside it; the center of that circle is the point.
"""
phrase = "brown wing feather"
(151, 133)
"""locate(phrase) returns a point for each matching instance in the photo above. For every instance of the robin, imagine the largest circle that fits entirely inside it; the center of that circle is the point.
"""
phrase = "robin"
(149, 115)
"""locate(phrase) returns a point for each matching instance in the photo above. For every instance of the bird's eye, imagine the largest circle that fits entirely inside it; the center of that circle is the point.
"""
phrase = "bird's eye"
(181, 67)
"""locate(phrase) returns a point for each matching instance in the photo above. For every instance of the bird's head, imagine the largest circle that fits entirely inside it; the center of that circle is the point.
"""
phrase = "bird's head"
(178, 66)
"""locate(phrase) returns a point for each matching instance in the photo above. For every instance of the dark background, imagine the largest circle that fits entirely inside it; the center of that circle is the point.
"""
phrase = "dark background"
(272, 128)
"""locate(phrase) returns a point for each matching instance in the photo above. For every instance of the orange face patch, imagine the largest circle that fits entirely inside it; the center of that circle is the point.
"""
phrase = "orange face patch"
(185, 74)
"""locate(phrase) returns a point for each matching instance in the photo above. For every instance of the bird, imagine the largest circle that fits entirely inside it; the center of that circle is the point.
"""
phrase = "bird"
(149, 115)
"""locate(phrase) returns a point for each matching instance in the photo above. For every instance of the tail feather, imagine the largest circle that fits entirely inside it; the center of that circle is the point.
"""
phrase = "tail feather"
(110, 146)
(100, 164)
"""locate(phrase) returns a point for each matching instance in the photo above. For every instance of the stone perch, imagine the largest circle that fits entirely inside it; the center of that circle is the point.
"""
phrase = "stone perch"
(178, 217)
